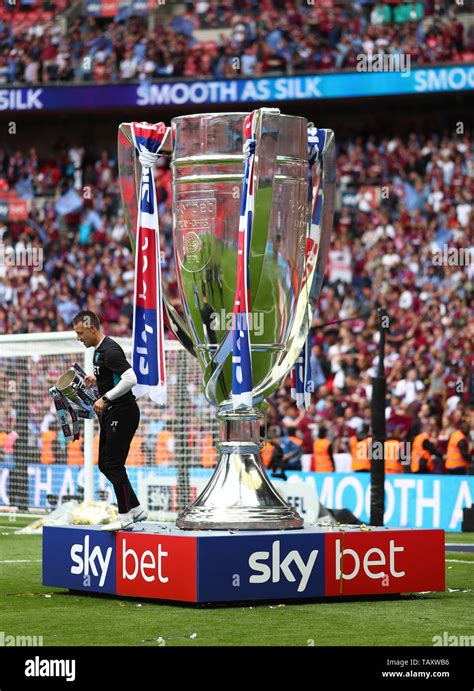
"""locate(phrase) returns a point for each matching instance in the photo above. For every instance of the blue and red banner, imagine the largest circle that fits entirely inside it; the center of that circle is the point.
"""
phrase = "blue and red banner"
(241, 350)
(216, 566)
(114, 8)
(148, 350)
(13, 209)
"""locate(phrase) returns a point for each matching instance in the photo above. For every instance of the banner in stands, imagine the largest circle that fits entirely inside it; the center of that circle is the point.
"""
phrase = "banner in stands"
(101, 8)
(14, 209)
(222, 91)
(116, 8)
(412, 501)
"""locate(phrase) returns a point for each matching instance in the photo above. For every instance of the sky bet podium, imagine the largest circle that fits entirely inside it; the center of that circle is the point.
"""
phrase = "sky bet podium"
(224, 566)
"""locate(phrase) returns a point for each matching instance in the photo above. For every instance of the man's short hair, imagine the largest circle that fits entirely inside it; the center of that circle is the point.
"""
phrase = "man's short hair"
(88, 318)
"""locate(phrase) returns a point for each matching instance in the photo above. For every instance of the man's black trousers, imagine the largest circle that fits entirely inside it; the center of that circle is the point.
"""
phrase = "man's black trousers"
(118, 424)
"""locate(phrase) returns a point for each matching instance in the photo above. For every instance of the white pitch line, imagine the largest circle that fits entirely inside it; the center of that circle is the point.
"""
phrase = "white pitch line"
(19, 561)
(460, 561)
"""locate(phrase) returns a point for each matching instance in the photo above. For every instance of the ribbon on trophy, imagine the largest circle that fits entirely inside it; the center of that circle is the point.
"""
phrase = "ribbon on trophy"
(241, 359)
(301, 380)
(83, 397)
(63, 408)
(148, 343)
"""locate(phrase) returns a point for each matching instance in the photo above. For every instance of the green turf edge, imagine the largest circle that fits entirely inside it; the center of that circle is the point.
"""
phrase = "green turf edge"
(69, 619)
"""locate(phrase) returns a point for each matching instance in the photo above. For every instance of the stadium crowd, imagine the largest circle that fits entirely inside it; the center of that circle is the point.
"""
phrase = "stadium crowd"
(393, 255)
(402, 240)
(241, 38)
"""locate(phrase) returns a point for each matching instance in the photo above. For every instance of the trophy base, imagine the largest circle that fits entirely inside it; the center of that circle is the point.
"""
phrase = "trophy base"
(239, 496)
(235, 567)
(239, 518)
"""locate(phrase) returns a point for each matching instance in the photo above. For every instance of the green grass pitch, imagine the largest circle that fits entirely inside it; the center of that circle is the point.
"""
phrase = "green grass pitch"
(61, 618)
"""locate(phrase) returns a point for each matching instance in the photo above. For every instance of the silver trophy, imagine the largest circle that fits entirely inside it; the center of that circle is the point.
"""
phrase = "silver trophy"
(72, 389)
(71, 384)
(287, 262)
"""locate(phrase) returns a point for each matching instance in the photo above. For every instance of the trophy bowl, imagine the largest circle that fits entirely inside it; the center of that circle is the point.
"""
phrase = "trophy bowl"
(72, 385)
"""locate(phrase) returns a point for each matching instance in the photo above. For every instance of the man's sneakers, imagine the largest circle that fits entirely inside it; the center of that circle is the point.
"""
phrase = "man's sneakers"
(126, 521)
(138, 514)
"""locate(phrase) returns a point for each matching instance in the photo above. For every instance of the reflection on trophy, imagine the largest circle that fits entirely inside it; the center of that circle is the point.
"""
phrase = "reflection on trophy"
(285, 255)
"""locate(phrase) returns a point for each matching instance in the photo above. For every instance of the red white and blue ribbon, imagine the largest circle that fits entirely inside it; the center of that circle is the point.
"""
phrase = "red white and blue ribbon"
(148, 343)
(301, 379)
(241, 350)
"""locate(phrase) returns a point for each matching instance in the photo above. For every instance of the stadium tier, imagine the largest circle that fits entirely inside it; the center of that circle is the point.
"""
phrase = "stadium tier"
(104, 42)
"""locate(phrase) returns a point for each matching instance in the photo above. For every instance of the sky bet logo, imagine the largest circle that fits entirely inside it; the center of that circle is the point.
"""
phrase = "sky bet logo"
(273, 566)
(244, 566)
(90, 562)
(374, 562)
(261, 566)
(79, 559)
(161, 566)
(365, 563)
(141, 564)
(145, 565)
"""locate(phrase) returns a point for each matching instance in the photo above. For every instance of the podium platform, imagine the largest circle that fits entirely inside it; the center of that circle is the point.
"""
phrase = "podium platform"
(154, 561)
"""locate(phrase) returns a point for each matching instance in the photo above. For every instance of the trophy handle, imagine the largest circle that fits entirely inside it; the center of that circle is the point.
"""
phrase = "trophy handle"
(129, 177)
(320, 233)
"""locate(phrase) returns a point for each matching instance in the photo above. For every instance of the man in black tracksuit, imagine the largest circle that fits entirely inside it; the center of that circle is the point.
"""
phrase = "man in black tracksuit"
(118, 414)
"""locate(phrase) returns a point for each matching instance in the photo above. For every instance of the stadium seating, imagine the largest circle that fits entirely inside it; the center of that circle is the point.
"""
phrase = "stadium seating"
(312, 37)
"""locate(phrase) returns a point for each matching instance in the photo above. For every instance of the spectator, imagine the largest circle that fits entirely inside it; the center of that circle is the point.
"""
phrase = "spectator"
(407, 389)
(128, 66)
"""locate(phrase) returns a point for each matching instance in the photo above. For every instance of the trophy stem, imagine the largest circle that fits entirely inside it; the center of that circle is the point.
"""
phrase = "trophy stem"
(239, 496)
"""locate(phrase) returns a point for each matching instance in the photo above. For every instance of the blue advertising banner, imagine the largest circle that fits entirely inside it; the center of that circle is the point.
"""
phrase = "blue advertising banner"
(80, 560)
(118, 8)
(256, 566)
(166, 563)
(411, 501)
(261, 90)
